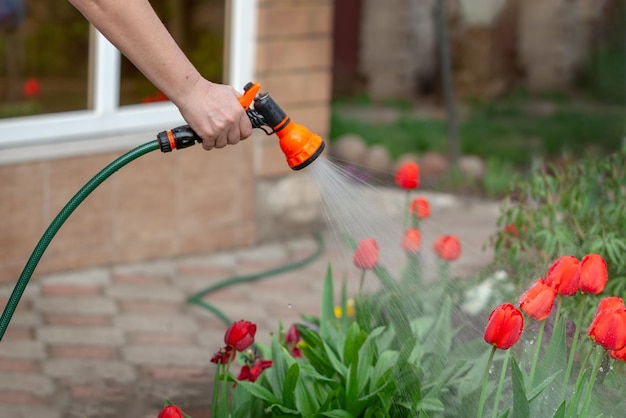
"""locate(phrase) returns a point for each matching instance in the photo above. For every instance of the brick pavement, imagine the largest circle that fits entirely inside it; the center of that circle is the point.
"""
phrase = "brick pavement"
(116, 341)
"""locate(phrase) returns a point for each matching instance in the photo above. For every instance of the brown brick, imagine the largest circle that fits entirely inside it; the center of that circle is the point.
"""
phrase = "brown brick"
(302, 87)
(14, 333)
(18, 365)
(63, 289)
(83, 351)
(22, 190)
(138, 279)
(294, 54)
(290, 20)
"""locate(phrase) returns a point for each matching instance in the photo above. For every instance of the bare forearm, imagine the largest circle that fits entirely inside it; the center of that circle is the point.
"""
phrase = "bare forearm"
(134, 28)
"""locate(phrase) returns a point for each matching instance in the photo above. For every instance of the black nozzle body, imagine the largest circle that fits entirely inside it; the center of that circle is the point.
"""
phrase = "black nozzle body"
(274, 116)
(177, 138)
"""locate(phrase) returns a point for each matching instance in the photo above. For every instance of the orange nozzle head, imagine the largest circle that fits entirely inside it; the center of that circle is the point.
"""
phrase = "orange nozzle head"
(300, 146)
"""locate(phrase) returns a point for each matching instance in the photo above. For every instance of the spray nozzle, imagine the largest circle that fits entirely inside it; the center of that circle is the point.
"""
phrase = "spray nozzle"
(300, 146)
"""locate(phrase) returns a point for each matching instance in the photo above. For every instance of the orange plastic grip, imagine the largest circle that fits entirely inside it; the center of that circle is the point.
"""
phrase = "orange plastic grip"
(250, 92)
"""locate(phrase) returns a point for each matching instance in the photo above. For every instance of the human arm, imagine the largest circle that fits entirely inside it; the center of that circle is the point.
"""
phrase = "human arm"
(212, 110)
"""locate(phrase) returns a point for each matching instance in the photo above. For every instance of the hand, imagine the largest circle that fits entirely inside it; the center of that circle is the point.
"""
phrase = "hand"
(214, 113)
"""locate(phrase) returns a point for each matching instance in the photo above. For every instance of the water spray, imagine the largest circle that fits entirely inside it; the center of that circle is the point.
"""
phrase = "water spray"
(300, 146)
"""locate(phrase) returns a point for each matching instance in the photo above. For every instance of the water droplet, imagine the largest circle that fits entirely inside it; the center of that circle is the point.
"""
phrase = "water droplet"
(531, 342)
(289, 305)
(601, 369)
(611, 367)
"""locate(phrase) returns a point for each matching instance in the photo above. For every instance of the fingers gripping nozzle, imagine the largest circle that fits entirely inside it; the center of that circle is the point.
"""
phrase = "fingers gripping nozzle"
(300, 146)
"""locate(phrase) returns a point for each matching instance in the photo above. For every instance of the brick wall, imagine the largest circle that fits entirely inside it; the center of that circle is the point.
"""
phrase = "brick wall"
(165, 205)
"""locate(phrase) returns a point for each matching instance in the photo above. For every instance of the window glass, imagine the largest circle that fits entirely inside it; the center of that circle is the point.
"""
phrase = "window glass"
(198, 27)
(44, 58)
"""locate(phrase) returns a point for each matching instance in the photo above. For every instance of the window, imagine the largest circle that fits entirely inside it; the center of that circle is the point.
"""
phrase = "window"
(108, 95)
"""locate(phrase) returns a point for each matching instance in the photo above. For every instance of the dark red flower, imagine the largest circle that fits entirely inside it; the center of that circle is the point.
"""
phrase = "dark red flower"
(593, 274)
(408, 176)
(253, 373)
(447, 247)
(171, 411)
(412, 241)
(240, 335)
(292, 338)
(538, 300)
(31, 88)
(420, 207)
(504, 326)
(366, 254)
(511, 229)
(224, 355)
(563, 275)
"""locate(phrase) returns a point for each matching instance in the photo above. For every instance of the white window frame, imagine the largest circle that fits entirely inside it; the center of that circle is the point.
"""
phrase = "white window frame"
(107, 118)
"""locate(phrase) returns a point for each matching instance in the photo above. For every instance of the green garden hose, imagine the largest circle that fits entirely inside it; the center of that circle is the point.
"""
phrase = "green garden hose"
(80, 196)
(56, 224)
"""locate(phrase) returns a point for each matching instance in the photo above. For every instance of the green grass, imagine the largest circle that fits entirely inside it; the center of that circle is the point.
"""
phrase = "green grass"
(514, 130)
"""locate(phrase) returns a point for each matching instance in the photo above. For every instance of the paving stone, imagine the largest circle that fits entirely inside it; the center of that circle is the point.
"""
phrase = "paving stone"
(147, 293)
(34, 383)
(88, 370)
(28, 411)
(167, 355)
(22, 349)
(161, 323)
(157, 268)
(97, 277)
(98, 305)
(78, 335)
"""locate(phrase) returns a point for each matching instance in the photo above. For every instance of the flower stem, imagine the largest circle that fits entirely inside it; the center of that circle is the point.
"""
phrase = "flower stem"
(216, 390)
(361, 283)
(533, 366)
(505, 363)
(570, 360)
(483, 391)
(406, 209)
(592, 380)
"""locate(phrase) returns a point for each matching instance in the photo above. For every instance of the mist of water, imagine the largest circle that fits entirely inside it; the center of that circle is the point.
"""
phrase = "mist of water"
(357, 209)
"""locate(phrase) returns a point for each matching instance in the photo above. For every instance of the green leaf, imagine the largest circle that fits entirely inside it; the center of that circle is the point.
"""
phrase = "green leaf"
(289, 386)
(258, 391)
(430, 404)
(327, 314)
(521, 406)
(354, 341)
(572, 407)
(338, 413)
(536, 391)
(555, 356)
(560, 412)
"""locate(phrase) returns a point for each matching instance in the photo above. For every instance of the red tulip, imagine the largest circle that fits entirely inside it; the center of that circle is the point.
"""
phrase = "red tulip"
(253, 373)
(618, 354)
(538, 300)
(408, 176)
(292, 338)
(420, 207)
(448, 247)
(593, 274)
(366, 254)
(609, 329)
(171, 411)
(607, 305)
(31, 88)
(563, 275)
(504, 326)
(412, 241)
(240, 335)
